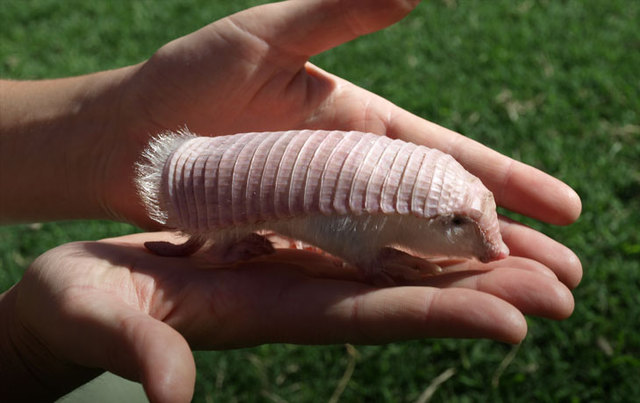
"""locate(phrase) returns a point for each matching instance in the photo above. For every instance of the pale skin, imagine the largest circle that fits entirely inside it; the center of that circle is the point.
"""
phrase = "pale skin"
(67, 149)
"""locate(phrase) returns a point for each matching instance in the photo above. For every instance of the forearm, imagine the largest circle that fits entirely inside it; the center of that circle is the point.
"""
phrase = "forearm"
(28, 369)
(56, 142)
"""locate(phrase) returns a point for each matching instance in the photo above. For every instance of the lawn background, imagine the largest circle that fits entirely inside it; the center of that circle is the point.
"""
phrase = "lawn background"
(555, 84)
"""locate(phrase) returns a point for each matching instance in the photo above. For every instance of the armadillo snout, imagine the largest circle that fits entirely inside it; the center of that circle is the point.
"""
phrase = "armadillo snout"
(483, 211)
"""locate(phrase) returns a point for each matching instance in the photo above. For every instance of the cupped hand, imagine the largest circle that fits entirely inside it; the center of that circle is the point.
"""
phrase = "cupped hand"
(250, 72)
(111, 304)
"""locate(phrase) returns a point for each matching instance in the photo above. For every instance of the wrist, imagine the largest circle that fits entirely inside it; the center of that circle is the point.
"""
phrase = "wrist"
(59, 143)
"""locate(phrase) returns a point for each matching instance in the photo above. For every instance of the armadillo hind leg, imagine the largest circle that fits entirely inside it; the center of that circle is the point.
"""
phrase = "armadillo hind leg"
(234, 249)
(168, 249)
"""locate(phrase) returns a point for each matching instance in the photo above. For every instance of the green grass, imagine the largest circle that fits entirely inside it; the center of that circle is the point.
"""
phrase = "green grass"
(555, 84)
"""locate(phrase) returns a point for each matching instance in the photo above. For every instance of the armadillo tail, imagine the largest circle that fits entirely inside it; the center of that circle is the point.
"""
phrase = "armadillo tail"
(168, 249)
(149, 171)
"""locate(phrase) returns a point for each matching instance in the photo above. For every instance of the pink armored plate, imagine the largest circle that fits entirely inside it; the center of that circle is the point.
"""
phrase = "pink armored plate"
(351, 194)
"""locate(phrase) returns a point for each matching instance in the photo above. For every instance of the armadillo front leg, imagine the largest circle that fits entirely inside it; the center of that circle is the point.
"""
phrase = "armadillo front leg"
(362, 242)
(399, 265)
(387, 265)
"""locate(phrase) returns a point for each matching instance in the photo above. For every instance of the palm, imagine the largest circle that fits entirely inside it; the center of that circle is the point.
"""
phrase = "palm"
(294, 296)
(250, 72)
(240, 93)
(238, 75)
(113, 305)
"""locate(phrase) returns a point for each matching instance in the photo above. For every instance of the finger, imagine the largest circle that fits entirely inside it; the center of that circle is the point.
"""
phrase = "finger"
(530, 292)
(460, 265)
(383, 315)
(532, 251)
(164, 359)
(307, 28)
(526, 242)
(516, 186)
(276, 303)
(134, 345)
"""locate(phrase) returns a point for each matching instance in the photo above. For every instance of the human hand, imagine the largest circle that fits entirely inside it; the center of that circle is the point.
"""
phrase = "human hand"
(245, 72)
(250, 71)
(112, 305)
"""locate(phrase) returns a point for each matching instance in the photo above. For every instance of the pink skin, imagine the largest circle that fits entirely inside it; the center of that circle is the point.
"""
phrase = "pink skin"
(313, 185)
(111, 304)
(247, 72)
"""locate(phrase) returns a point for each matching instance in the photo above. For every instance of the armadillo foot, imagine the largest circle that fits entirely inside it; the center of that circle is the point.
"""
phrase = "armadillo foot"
(253, 245)
(400, 266)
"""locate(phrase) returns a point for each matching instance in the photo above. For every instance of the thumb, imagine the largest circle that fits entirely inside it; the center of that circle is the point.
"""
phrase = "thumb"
(159, 357)
(307, 28)
(134, 345)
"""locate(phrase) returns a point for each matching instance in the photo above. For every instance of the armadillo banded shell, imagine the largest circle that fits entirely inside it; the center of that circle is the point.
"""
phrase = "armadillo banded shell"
(217, 182)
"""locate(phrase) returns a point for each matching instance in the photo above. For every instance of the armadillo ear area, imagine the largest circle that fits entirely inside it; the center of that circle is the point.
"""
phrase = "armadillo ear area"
(150, 169)
(446, 235)
(463, 230)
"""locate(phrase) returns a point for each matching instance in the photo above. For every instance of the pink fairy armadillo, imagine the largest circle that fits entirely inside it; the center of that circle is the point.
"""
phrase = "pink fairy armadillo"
(351, 194)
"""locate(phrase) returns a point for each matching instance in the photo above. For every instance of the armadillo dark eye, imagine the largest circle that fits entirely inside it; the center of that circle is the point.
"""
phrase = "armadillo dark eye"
(457, 221)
